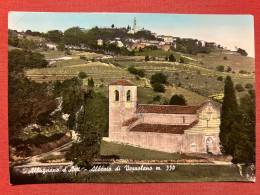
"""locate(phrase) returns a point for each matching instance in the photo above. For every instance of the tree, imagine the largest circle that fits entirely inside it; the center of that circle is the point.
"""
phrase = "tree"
(158, 87)
(158, 78)
(136, 71)
(112, 26)
(54, 36)
(178, 100)
(82, 75)
(26, 44)
(18, 60)
(74, 36)
(93, 125)
(242, 52)
(82, 154)
(244, 130)
(239, 87)
(91, 82)
(172, 58)
(61, 46)
(228, 117)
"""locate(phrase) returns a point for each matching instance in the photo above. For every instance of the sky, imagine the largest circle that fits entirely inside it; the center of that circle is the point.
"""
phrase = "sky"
(227, 30)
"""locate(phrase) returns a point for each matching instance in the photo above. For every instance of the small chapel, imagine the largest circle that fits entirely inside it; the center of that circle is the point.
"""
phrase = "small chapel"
(167, 128)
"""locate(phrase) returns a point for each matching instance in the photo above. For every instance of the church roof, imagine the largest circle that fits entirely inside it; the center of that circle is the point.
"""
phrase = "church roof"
(130, 121)
(122, 82)
(168, 109)
(158, 128)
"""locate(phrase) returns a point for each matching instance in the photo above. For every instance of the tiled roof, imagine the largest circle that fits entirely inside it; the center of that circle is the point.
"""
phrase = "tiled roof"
(168, 109)
(130, 121)
(157, 128)
(122, 82)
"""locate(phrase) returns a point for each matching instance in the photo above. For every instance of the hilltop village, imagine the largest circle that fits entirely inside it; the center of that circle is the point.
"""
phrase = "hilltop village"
(126, 94)
(132, 38)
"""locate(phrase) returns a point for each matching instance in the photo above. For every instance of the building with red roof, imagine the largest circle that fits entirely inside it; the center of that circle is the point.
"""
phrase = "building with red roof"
(167, 128)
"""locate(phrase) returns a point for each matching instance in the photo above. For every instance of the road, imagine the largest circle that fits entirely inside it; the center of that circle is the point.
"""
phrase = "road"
(35, 160)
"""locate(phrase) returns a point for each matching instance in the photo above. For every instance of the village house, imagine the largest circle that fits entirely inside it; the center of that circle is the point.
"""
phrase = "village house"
(165, 47)
(168, 39)
(137, 46)
(211, 44)
(167, 128)
(100, 42)
(117, 43)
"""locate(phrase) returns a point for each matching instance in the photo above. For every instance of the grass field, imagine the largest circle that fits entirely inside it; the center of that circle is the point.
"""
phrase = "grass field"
(135, 153)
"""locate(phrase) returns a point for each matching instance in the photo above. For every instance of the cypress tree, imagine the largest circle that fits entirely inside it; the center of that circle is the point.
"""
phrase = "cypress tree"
(228, 117)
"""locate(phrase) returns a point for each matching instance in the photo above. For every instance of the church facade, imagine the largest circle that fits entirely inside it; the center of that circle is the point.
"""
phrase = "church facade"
(167, 128)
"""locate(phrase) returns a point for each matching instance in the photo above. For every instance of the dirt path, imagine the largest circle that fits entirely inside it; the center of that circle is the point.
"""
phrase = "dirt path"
(35, 160)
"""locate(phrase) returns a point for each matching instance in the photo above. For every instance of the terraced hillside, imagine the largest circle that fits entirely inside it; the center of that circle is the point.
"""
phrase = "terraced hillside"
(197, 76)
(102, 73)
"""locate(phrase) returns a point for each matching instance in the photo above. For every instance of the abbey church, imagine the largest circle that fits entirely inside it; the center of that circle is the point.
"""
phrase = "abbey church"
(167, 128)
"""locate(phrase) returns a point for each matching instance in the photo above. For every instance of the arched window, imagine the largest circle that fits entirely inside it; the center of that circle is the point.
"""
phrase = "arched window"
(116, 95)
(128, 95)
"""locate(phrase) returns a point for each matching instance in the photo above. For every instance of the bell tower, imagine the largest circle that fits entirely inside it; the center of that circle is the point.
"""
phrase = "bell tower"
(122, 105)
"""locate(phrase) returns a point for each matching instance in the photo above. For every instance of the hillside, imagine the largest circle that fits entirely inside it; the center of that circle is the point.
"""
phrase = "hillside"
(196, 78)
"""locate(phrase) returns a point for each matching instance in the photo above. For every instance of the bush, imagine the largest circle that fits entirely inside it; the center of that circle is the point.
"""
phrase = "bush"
(140, 72)
(239, 87)
(82, 75)
(228, 69)
(220, 68)
(172, 58)
(242, 72)
(157, 98)
(146, 58)
(91, 82)
(182, 60)
(158, 78)
(220, 78)
(249, 86)
(136, 71)
(83, 57)
(61, 46)
(158, 87)
(178, 100)
(242, 52)
(67, 52)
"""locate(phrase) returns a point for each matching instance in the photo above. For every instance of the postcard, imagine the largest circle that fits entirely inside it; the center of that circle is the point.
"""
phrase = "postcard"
(130, 98)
